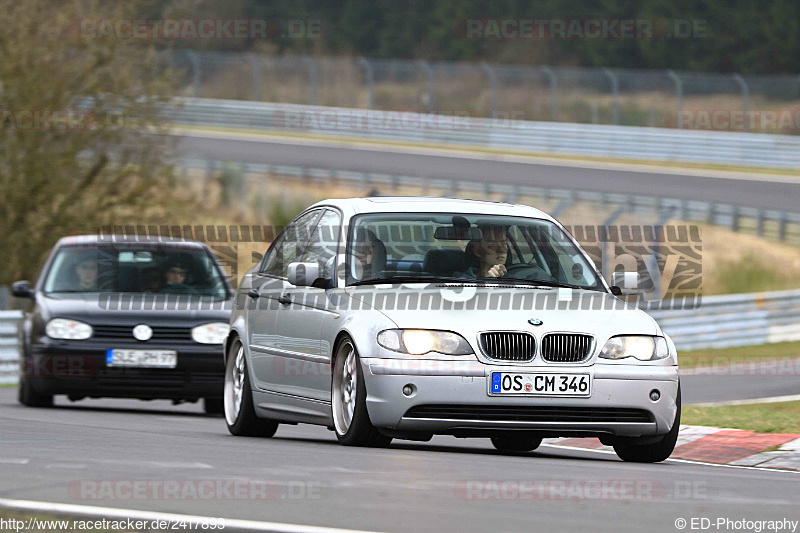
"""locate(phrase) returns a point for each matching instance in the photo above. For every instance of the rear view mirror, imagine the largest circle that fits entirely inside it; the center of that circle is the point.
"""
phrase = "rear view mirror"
(457, 233)
(303, 274)
(625, 282)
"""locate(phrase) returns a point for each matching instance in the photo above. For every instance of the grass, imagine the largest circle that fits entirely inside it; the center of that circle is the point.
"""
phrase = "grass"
(8, 385)
(722, 356)
(782, 417)
(751, 273)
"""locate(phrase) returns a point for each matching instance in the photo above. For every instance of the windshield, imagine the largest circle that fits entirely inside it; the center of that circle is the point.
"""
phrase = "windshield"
(133, 268)
(407, 247)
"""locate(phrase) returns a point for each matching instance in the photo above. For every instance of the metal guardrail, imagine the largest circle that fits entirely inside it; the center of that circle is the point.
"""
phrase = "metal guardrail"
(735, 320)
(659, 144)
(720, 322)
(785, 226)
(629, 97)
(9, 346)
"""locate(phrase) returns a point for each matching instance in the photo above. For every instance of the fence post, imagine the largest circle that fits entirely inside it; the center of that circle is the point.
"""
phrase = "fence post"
(369, 72)
(782, 226)
(429, 96)
(745, 99)
(760, 223)
(614, 94)
(312, 79)
(553, 92)
(492, 88)
(195, 72)
(255, 64)
(678, 96)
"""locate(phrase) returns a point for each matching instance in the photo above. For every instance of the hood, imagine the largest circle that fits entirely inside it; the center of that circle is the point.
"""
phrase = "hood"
(468, 309)
(123, 309)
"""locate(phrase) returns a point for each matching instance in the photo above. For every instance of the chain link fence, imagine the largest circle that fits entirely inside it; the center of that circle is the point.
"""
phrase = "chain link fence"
(653, 98)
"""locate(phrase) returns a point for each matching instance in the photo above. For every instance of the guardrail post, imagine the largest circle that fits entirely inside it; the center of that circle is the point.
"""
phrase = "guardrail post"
(553, 92)
(614, 94)
(604, 238)
(429, 94)
(760, 223)
(255, 64)
(782, 226)
(369, 73)
(745, 100)
(735, 218)
(492, 88)
(195, 60)
(312, 79)
(678, 97)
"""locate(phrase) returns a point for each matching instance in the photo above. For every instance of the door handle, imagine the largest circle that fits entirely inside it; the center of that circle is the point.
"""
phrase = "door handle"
(253, 293)
(285, 299)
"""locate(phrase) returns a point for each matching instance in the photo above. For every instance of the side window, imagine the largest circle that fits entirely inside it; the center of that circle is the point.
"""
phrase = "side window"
(291, 243)
(323, 244)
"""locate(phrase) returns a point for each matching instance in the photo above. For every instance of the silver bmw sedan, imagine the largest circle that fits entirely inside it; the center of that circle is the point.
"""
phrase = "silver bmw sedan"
(404, 318)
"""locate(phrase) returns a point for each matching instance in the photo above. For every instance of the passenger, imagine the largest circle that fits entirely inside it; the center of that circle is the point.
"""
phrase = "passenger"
(175, 276)
(86, 274)
(370, 253)
(487, 256)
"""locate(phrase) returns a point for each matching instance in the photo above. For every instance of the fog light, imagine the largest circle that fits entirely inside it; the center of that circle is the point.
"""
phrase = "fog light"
(655, 395)
(408, 390)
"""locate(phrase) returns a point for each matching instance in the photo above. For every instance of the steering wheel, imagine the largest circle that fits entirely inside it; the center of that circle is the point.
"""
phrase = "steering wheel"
(526, 271)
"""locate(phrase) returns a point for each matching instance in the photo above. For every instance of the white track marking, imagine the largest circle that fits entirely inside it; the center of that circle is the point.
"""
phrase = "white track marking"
(114, 513)
(771, 399)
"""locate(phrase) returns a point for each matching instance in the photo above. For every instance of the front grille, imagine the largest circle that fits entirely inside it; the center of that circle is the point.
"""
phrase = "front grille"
(508, 345)
(499, 413)
(160, 333)
(566, 347)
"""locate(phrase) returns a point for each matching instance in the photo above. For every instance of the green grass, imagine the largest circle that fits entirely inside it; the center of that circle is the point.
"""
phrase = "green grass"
(750, 273)
(8, 385)
(723, 356)
(781, 417)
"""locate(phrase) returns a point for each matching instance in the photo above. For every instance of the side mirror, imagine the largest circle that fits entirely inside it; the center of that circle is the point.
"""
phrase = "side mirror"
(303, 274)
(625, 283)
(21, 289)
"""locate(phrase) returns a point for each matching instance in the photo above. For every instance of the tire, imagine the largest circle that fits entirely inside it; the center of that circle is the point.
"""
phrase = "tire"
(628, 450)
(29, 397)
(240, 416)
(350, 418)
(214, 406)
(517, 443)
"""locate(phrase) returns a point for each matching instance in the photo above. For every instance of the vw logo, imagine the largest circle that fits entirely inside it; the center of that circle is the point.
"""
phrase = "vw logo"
(535, 322)
(142, 332)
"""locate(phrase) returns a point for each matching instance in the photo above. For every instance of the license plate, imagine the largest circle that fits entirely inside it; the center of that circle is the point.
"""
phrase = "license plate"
(142, 358)
(549, 384)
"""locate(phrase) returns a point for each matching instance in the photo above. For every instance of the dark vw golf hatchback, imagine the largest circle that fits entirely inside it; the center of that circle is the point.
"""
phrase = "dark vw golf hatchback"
(126, 318)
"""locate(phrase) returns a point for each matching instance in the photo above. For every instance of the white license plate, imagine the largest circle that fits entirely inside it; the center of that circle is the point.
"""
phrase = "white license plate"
(543, 384)
(142, 358)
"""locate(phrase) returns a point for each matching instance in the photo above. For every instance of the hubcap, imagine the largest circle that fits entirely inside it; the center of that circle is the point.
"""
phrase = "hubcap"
(345, 387)
(234, 386)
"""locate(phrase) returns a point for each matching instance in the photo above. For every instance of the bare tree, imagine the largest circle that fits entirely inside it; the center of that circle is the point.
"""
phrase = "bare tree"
(81, 135)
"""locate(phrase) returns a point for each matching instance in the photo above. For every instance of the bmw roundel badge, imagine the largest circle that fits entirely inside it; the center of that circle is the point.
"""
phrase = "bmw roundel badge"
(535, 322)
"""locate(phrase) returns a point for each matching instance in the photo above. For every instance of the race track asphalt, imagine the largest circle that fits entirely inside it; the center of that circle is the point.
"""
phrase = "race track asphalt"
(445, 485)
(667, 183)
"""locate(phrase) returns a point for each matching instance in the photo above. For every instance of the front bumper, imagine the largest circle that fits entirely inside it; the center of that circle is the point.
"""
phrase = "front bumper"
(617, 391)
(78, 368)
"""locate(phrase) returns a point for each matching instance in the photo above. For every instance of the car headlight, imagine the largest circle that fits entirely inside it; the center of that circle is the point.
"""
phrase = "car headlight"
(64, 328)
(213, 333)
(422, 341)
(641, 347)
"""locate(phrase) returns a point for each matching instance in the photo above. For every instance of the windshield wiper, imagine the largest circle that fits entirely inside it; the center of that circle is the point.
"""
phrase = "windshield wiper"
(544, 283)
(411, 279)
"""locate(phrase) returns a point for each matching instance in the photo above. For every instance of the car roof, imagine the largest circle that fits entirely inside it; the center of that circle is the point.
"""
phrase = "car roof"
(74, 240)
(411, 204)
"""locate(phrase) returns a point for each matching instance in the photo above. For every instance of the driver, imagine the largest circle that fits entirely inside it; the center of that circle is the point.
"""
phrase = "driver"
(488, 255)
